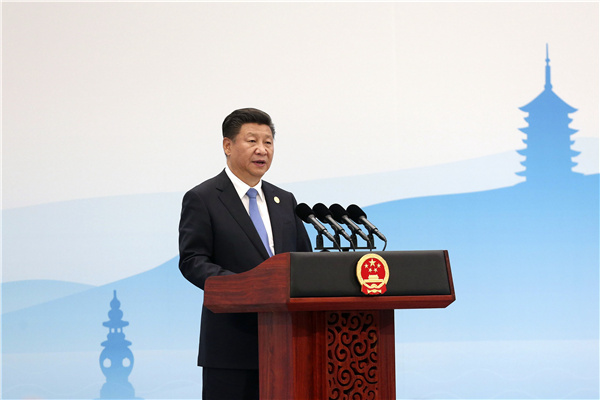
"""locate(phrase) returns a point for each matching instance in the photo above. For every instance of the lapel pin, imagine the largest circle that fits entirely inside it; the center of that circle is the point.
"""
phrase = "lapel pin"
(276, 199)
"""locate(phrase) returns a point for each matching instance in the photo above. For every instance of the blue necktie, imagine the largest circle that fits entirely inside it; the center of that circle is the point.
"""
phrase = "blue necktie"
(257, 220)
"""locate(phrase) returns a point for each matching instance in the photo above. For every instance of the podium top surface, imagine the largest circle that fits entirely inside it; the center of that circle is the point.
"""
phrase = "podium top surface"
(329, 281)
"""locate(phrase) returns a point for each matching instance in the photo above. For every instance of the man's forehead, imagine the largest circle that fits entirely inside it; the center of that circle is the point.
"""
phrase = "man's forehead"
(256, 129)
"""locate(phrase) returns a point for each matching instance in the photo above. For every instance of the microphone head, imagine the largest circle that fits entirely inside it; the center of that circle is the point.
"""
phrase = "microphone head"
(355, 213)
(304, 211)
(321, 211)
(338, 212)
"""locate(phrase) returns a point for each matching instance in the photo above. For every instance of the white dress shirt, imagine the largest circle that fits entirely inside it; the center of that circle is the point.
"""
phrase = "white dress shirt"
(241, 188)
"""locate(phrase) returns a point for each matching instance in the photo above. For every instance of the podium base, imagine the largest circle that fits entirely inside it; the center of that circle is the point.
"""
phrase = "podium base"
(327, 355)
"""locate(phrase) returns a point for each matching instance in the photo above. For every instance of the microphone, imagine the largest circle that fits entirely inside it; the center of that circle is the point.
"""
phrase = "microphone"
(359, 216)
(341, 215)
(325, 215)
(307, 215)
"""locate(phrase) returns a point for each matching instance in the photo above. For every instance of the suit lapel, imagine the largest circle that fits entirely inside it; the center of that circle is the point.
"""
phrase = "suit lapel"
(232, 202)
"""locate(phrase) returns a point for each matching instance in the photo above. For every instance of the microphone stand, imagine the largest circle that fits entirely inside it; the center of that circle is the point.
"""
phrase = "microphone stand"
(354, 243)
(321, 247)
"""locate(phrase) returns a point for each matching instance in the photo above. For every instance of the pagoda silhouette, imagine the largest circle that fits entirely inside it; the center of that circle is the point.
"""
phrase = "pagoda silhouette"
(116, 360)
(548, 155)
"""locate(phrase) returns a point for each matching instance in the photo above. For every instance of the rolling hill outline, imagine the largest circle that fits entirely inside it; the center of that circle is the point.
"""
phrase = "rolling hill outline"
(524, 265)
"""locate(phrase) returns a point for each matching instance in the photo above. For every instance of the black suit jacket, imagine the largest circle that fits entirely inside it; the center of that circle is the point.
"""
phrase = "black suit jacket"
(217, 237)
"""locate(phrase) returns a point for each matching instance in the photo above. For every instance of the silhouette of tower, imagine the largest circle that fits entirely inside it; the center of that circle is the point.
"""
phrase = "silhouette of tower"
(548, 155)
(116, 360)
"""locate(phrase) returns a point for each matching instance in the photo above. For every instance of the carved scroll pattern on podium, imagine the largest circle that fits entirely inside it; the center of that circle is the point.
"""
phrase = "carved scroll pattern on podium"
(352, 345)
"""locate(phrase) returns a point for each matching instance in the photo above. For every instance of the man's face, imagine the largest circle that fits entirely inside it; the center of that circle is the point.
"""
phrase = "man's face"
(250, 154)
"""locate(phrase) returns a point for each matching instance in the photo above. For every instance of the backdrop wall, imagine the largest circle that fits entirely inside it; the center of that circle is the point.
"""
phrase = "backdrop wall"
(414, 111)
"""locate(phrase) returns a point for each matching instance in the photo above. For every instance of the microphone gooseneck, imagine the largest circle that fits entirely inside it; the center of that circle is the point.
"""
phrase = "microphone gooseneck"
(307, 215)
(359, 216)
(341, 215)
(326, 216)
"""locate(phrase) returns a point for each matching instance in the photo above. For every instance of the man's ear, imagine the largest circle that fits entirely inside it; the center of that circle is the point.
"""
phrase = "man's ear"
(227, 146)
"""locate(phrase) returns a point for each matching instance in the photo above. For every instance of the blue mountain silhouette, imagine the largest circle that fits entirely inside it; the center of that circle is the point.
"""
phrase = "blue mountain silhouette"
(525, 268)
(22, 294)
(525, 262)
(162, 307)
(524, 265)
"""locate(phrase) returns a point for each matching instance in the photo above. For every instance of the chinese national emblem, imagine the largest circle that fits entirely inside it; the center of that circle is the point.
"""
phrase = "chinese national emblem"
(373, 274)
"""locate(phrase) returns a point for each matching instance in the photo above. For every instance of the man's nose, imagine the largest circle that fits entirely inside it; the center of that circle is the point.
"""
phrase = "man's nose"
(261, 149)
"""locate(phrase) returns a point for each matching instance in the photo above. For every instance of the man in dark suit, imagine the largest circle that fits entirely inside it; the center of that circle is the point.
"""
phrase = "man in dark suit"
(218, 236)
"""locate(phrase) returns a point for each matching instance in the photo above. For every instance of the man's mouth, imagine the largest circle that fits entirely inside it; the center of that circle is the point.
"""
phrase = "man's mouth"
(260, 162)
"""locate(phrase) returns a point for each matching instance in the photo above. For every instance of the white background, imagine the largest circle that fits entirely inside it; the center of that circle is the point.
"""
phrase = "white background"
(106, 99)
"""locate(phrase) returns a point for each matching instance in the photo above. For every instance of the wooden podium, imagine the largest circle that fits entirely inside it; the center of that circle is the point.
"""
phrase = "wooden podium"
(319, 336)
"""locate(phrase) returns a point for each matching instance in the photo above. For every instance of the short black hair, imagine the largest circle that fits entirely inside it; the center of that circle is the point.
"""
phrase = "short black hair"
(234, 121)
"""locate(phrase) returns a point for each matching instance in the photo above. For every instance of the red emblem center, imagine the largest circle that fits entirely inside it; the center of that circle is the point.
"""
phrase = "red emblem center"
(373, 273)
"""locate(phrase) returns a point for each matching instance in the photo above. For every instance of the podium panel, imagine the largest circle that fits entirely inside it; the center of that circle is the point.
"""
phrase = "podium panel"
(411, 273)
(319, 336)
(327, 355)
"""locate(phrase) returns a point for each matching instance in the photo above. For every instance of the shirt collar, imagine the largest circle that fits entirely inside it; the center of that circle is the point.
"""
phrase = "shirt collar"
(241, 187)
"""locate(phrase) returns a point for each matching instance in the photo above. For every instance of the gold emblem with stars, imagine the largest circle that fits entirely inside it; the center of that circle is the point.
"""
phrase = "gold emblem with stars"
(373, 274)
